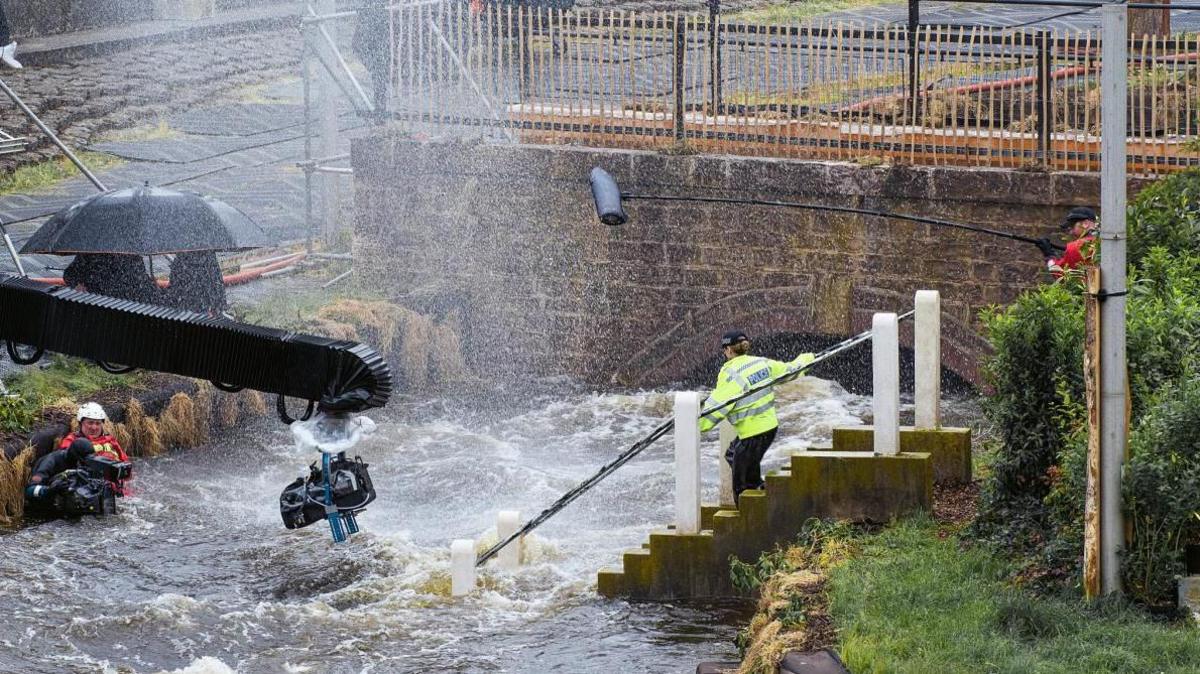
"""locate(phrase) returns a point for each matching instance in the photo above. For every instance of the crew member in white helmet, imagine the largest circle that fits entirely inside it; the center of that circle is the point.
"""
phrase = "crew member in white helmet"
(92, 419)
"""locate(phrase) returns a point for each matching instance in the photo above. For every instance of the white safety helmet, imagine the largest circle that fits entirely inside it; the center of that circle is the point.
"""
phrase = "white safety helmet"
(91, 411)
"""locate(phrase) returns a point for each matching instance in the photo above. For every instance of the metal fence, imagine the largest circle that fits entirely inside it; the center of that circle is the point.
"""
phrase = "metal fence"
(972, 95)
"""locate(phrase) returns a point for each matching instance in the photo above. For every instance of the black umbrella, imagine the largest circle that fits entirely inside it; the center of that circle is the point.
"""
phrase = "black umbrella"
(147, 221)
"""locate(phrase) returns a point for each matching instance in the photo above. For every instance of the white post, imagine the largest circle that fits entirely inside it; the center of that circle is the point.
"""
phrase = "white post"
(885, 378)
(1113, 90)
(462, 567)
(728, 435)
(687, 462)
(507, 523)
(927, 357)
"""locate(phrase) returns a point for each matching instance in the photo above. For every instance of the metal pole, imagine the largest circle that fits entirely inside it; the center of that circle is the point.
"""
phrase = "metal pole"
(12, 250)
(328, 129)
(914, 25)
(53, 138)
(714, 47)
(1113, 73)
(680, 30)
(306, 67)
(1044, 127)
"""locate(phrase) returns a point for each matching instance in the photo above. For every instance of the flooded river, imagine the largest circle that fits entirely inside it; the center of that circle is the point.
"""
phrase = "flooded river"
(197, 573)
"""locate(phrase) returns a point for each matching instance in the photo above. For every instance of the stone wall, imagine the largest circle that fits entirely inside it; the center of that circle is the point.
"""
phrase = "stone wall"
(504, 241)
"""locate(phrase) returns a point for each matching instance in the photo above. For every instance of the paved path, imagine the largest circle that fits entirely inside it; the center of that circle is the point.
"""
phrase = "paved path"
(231, 104)
(999, 15)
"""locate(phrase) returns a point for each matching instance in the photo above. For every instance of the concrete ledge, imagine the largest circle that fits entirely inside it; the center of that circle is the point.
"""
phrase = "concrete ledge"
(847, 485)
(949, 447)
(860, 486)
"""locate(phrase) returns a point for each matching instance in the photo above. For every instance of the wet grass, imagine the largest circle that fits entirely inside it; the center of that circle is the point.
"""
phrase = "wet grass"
(160, 131)
(784, 12)
(47, 174)
(67, 378)
(914, 602)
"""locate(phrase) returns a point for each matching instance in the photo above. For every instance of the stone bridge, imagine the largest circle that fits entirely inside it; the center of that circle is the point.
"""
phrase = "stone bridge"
(502, 242)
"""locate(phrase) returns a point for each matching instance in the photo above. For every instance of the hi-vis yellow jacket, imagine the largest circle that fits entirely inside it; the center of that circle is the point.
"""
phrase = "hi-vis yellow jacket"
(755, 413)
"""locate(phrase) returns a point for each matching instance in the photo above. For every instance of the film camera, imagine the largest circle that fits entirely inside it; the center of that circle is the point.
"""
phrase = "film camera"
(303, 501)
(107, 469)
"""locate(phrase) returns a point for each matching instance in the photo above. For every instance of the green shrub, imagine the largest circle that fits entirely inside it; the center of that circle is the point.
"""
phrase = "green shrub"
(1165, 214)
(17, 414)
(1032, 503)
(1162, 492)
(1036, 383)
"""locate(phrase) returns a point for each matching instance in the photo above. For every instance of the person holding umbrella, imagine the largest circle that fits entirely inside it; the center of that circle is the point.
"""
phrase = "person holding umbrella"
(120, 276)
(110, 232)
(196, 283)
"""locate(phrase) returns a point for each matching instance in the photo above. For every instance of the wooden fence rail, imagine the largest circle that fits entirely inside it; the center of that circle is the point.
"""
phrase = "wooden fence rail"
(981, 96)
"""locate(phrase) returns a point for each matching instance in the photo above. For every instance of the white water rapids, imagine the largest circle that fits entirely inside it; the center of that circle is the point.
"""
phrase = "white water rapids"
(198, 575)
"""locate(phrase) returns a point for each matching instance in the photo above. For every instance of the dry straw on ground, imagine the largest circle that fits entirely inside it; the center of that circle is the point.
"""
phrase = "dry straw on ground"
(179, 425)
(425, 354)
(142, 431)
(13, 476)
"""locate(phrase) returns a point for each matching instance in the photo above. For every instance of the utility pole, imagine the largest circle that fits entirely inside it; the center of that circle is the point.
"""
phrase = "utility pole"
(1113, 105)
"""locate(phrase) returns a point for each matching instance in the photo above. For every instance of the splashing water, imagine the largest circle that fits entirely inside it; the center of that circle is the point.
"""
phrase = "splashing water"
(197, 574)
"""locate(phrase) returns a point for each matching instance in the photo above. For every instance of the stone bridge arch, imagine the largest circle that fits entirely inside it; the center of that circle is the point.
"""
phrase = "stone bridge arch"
(689, 347)
(539, 288)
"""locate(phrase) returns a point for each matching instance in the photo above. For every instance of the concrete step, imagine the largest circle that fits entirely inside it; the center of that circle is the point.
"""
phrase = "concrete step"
(846, 485)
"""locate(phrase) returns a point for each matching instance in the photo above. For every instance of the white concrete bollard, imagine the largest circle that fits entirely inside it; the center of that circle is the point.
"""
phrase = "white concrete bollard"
(507, 523)
(728, 435)
(462, 567)
(885, 377)
(927, 357)
(687, 462)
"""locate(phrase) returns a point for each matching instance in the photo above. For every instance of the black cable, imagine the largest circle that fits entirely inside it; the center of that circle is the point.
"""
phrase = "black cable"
(23, 360)
(844, 209)
(637, 448)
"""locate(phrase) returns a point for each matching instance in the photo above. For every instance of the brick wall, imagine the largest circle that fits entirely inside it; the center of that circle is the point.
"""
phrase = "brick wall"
(503, 240)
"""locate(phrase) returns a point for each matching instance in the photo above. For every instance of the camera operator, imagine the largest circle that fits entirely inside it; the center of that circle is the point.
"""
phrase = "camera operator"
(42, 485)
(91, 418)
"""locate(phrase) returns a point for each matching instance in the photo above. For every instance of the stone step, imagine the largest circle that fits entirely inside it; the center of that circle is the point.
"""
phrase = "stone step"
(849, 485)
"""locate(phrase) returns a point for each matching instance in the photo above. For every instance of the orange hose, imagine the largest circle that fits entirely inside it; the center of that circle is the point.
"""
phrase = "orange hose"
(237, 278)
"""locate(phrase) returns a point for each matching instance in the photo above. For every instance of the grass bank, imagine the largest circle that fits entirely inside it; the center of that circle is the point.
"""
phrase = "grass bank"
(915, 600)
(784, 12)
(48, 174)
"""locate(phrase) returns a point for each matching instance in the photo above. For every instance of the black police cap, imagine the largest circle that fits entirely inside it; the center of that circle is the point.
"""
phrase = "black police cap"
(733, 337)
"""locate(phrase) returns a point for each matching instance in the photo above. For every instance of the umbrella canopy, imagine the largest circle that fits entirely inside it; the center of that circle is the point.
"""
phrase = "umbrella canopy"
(147, 221)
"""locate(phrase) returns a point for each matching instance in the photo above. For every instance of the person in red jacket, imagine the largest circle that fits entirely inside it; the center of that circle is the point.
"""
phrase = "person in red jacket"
(1080, 224)
(91, 417)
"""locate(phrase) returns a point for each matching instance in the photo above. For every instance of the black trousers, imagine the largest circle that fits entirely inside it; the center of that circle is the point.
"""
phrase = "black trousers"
(745, 456)
(5, 32)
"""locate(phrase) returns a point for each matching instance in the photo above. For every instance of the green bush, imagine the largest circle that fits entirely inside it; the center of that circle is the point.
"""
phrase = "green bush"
(1032, 503)
(1162, 492)
(1036, 382)
(1165, 214)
